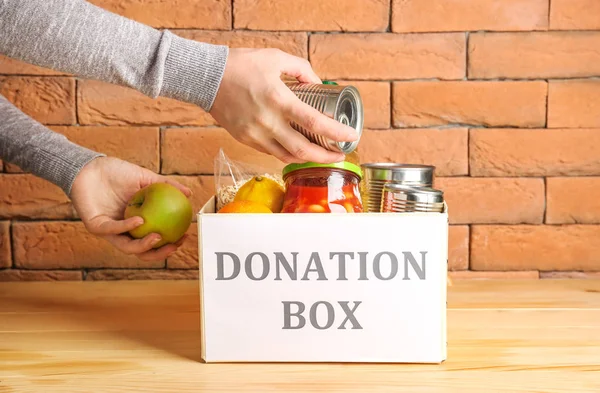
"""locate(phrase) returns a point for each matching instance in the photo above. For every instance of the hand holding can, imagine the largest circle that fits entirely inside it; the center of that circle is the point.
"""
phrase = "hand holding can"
(258, 109)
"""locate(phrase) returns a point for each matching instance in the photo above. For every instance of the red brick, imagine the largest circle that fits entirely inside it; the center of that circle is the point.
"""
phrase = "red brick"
(292, 43)
(458, 247)
(12, 168)
(469, 15)
(446, 149)
(197, 14)
(575, 15)
(471, 275)
(388, 56)
(138, 145)
(40, 275)
(573, 200)
(193, 151)
(534, 55)
(574, 104)
(67, 245)
(28, 196)
(133, 274)
(10, 66)
(376, 102)
(203, 188)
(108, 104)
(49, 100)
(481, 103)
(493, 201)
(570, 275)
(187, 255)
(535, 247)
(538, 152)
(5, 255)
(312, 15)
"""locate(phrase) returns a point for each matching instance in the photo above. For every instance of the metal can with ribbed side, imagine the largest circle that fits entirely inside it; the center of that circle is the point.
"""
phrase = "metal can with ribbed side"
(378, 174)
(401, 198)
(341, 103)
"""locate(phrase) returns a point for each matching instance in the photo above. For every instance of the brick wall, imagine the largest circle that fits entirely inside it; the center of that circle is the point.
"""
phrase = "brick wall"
(500, 95)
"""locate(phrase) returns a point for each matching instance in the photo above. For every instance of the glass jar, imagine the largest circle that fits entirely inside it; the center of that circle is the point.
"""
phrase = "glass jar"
(322, 188)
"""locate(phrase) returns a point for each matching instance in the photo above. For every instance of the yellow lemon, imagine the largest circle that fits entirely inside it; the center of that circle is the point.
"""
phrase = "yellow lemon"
(262, 190)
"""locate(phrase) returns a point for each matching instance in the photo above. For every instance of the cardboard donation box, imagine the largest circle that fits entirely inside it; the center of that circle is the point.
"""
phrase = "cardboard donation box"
(367, 287)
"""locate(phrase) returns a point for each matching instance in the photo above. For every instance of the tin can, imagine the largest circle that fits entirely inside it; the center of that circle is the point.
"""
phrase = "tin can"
(400, 198)
(341, 103)
(377, 175)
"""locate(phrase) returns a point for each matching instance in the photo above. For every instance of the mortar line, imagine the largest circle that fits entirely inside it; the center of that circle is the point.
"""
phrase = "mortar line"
(11, 245)
(469, 152)
(160, 149)
(470, 248)
(391, 105)
(76, 102)
(547, 100)
(390, 17)
(545, 217)
(232, 15)
(467, 36)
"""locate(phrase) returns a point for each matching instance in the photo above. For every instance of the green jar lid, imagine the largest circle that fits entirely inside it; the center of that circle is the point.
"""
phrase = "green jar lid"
(339, 165)
(329, 83)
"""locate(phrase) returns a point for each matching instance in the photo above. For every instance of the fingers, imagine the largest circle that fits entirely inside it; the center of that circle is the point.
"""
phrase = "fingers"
(274, 148)
(298, 68)
(142, 248)
(153, 177)
(314, 121)
(105, 226)
(128, 245)
(302, 149)
(163, 252)
(179, 186)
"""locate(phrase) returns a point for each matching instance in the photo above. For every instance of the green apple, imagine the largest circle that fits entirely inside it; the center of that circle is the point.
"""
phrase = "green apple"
(165, 210)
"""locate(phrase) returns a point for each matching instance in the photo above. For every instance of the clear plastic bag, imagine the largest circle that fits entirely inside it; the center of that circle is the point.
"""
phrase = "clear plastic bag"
(230, 175)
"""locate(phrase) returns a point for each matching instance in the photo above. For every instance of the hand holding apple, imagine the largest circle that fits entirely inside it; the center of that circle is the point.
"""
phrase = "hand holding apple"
(100, 194)
(165, 210)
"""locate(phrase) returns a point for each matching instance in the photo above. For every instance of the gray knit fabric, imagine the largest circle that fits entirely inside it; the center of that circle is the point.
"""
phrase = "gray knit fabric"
(77, 37)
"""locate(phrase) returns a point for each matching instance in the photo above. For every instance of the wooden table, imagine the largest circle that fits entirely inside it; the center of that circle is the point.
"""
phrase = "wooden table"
(143, 336)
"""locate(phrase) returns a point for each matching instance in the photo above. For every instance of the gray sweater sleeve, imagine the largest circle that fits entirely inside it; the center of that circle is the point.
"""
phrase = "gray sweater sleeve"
(77, 37)
(36, 149)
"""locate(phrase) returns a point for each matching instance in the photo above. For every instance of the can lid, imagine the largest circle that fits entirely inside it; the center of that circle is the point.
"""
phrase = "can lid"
(398, 172)
(339, 165)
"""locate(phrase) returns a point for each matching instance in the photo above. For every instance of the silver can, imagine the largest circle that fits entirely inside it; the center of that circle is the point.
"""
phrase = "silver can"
(401, 198)
(377, 175)
(341, 103)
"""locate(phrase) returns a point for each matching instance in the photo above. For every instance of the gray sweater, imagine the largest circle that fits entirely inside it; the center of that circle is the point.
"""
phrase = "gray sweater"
(79, 38)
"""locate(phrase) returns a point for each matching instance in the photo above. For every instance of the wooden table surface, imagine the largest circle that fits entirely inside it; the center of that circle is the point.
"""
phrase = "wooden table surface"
(143, 336)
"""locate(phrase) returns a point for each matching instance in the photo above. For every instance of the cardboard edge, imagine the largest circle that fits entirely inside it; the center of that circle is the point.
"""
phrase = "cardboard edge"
(201, 292)
(210, 208)
(444, 293)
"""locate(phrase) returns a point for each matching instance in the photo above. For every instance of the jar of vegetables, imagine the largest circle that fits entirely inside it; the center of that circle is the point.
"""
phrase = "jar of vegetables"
(322, 188)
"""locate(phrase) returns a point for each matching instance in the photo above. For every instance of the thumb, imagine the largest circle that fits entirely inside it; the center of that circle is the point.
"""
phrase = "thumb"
(298, 68)
(176, 184)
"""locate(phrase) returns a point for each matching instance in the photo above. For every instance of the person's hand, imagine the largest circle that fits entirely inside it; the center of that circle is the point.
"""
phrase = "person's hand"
(255, 106)
(100, 194)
